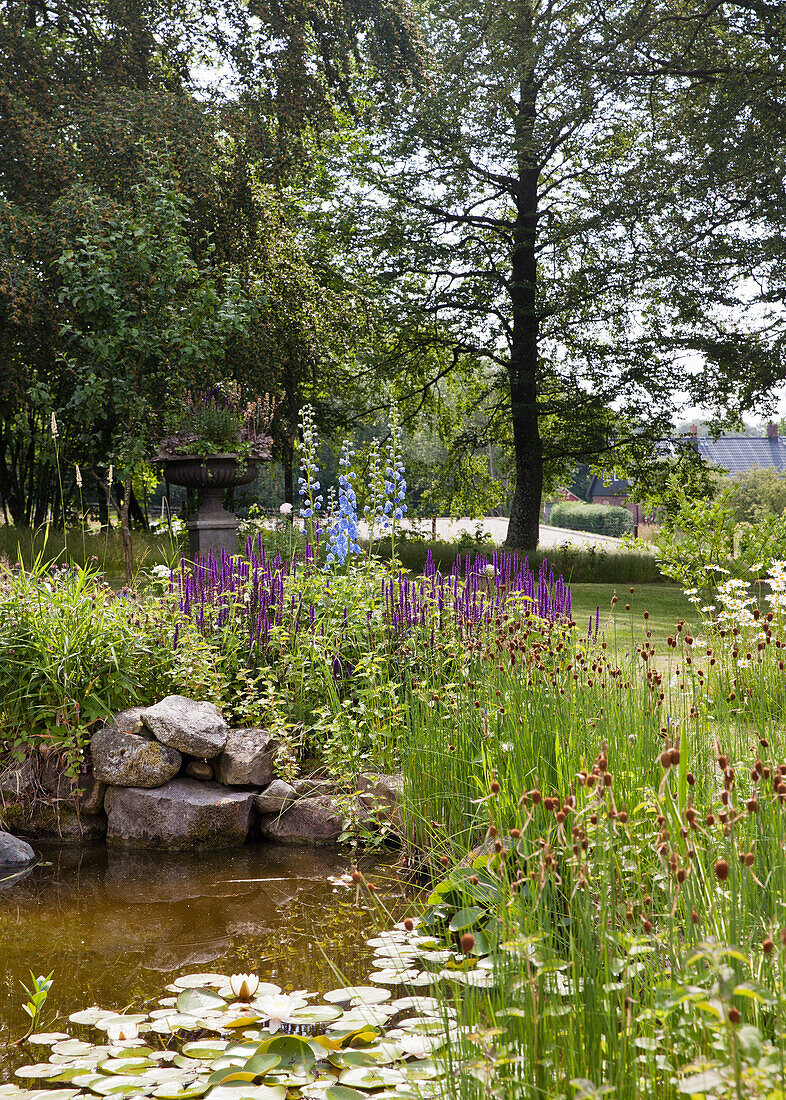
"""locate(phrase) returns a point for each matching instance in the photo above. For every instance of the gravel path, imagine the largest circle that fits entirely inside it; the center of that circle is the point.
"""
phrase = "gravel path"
(495, 529)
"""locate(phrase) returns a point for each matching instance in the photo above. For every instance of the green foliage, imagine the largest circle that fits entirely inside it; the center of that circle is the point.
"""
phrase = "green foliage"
(701, 542)
(756, 494)
(73, 652)
(600, 518)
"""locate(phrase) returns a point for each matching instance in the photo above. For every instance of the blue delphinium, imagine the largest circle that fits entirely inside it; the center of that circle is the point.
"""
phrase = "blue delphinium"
(395, 482)
(343, 535)
(308, 485)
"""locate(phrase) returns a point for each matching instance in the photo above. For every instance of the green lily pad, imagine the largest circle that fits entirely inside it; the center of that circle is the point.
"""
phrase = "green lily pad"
(171, 1091)
(196, 1000)
(317, 1014)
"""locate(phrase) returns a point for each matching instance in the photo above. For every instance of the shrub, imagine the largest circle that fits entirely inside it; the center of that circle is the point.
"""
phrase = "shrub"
(601, 519)
(73, 652)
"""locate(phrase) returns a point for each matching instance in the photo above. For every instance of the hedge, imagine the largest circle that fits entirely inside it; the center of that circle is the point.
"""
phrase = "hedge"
(601, 519)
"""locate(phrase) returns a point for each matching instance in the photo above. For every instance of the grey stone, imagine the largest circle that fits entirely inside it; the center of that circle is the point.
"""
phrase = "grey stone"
(183, 815)
(311, 788)
(128, 760)
(275, 797)
(14, 852)
(382, 793)
(18, 780)
(308, 821)
(56, 821)
(196, 728)
(85, 788)
(129, 721)
(248, 758)
(198, 769)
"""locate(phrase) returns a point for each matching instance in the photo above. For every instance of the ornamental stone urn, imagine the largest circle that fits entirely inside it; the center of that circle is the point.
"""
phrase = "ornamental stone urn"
(212, 528)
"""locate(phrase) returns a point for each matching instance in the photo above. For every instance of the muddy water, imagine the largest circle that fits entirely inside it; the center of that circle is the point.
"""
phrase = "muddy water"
(116, 927)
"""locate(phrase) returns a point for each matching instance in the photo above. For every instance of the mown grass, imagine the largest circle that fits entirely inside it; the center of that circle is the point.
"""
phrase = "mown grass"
(623, 623)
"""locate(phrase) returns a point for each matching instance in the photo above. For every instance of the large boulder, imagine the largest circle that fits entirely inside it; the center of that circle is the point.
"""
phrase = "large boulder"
(124, 759)
(55, 821)
(18, 780)
(382, 793)
(308, 821)
(128, 721)
(183, 815)
(307, 787)
(14, 852)
(85, 787)
(187, 725)
(247, 759)
(275, 797)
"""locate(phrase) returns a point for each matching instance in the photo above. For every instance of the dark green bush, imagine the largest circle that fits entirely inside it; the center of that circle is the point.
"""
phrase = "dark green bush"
(600, 519)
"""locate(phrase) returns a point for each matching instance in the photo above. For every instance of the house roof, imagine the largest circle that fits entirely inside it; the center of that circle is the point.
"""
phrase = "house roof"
(615, 487)
(738, 453)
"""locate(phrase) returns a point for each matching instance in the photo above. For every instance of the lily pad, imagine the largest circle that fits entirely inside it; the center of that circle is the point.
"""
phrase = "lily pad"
(195, 1000)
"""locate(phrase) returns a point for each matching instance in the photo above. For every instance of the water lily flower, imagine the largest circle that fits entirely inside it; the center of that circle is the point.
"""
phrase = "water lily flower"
(277, 1008)
(120, 1030)
(244, 986)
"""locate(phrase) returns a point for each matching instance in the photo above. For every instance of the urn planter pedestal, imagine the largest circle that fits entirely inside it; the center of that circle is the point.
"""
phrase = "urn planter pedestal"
(212, 528)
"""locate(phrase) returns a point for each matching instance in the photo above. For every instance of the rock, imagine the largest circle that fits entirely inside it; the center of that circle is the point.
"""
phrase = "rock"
(14, 852)
(275, 797)
(183, 815)
(129, 760)
(198, 769)
(196, 728)
(247, 760)
(311, 788)
(18, 780)
(308, 821)
(86, 788)
(383, 793)
(55, 821)
(129, 721)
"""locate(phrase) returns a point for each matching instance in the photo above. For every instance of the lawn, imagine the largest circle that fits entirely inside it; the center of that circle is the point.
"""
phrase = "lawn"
(624, 622)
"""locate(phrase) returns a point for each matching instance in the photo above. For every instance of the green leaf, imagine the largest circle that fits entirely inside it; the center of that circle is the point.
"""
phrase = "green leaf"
(465, 918)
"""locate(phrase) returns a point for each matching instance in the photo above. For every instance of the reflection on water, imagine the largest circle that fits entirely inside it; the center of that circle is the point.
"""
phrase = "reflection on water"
(116, 926)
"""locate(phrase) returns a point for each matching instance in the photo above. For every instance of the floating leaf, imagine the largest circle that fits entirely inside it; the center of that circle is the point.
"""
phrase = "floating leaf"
(195, 1000)
(317, 1014)
(465, 918)
(366, 994)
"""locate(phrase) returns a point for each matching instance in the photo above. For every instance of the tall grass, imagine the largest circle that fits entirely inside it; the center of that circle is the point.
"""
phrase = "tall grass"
(50, 546)
(626, 887)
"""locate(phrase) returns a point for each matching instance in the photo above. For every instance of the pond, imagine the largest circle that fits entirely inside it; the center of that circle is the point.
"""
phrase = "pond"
(116, 926)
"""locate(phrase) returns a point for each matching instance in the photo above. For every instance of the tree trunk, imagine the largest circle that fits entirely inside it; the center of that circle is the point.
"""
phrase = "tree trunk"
(128, 553)
(524, 524)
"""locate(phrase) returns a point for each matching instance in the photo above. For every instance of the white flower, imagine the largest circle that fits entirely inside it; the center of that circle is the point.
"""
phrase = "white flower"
(78, 478)
(53, 426)
(244, 986)
(119, 1030)
(277, 1008)
(285, 509)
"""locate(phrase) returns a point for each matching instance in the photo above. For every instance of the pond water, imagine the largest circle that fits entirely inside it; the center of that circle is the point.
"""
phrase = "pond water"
(115, 926)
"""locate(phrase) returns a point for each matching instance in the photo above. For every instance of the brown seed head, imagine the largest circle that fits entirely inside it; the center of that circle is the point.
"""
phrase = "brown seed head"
(409, 924)
(467, 942)
(675, 756)
(767, 945)
(694, 916)
(356, 876)
(721, 870)
(734, 1015)
(495, 787)
(665, 758)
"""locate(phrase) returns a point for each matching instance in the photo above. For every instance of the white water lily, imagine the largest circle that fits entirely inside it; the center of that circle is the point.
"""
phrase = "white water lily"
(244, 986)
(120, 1030)
(278, 1008)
